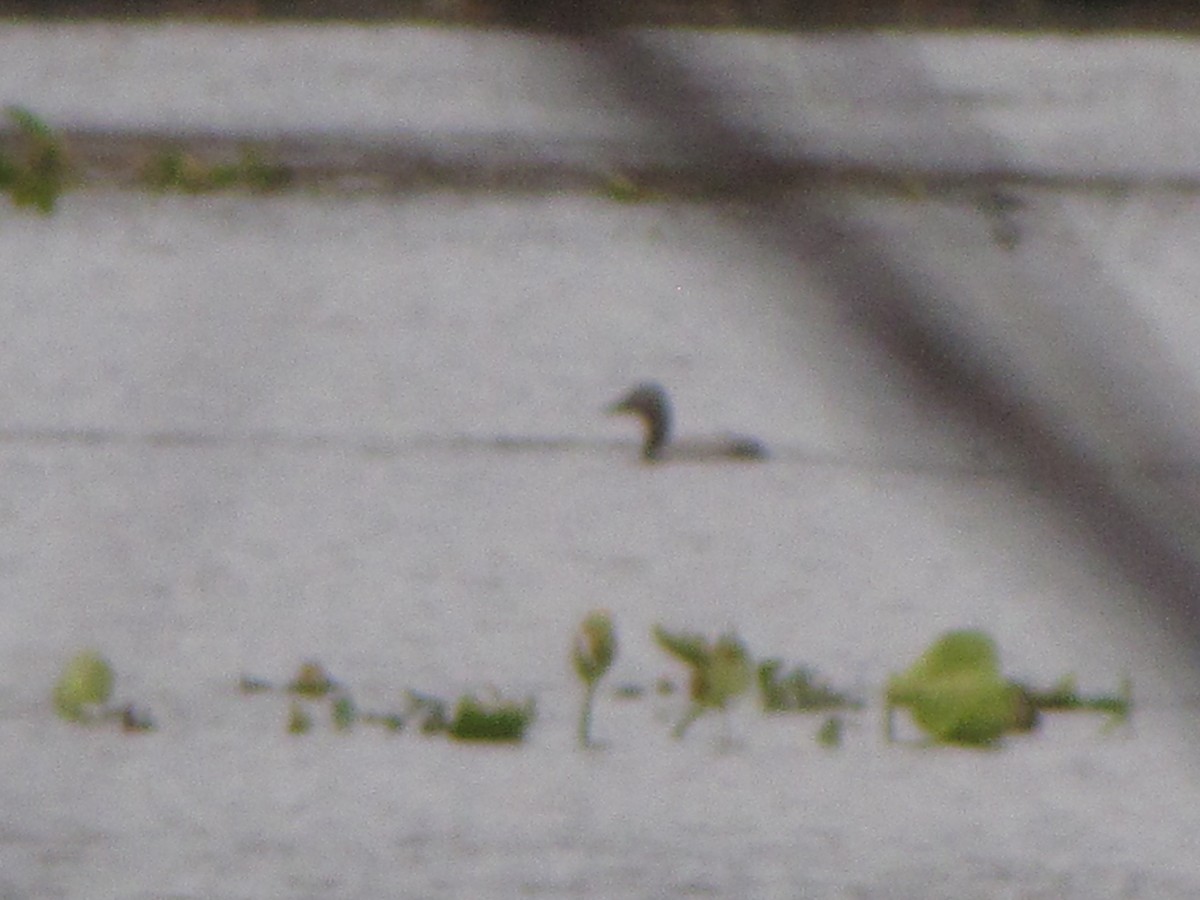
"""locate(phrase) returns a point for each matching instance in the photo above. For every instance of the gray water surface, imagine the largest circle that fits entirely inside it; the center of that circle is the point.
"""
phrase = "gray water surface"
(241, 433)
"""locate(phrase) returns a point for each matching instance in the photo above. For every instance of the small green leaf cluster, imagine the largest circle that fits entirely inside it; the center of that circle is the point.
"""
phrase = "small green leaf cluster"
(178, 170)
(473, 719)
(797, 691)
(720, 670)
(494, 721)
(83, 692)
(39, 176)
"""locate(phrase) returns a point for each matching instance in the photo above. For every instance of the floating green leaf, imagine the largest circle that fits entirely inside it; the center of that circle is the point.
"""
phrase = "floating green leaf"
(692, 649)
(720, 671)
(955, 692)
(968, 708)
(85, 685)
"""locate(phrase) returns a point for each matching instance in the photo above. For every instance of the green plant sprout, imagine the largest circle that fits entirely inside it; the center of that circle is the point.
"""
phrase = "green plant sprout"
(497, 720)
(721, 671)
(177, 170)
(40, 178)
(956, 694)
(592, 654)
(797, 691)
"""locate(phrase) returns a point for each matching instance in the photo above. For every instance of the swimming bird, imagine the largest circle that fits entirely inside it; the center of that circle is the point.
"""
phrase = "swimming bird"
(648, 401)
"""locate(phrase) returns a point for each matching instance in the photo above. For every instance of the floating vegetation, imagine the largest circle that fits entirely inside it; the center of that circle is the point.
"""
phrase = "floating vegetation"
(84, 687)
(83, 691)
(623, 189)
(830, 734)
(38, 178)
(473, 719)
(177, 170)
(387, 721)
(592, 654)
(299, 721)
(343, 713)
(1064, 697)
(429, 712)
(312, 681)
(721, 671)
(956, 694)
(313, 684)
(798, 690)
(496, 720)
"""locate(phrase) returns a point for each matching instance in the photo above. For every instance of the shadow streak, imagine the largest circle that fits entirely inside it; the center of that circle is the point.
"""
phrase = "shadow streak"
(1134, 521)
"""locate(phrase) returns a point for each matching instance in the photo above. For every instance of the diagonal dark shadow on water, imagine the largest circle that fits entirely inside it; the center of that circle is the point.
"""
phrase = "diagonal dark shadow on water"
(1127, 515)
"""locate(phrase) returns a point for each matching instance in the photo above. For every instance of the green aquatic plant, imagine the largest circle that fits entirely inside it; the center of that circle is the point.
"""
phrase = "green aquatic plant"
(621, 188)
(313, 685)
(797, 691)
(720, 671)
(39, 178)
(428, 711)
(956, 694)
(312, 680)
(84, 687)
(592, 654)
(177, 170)
(299, 721)
(393, 722)
(84, 690)
(1065, 697)
(495, 720)
(343, 712)
(830, 733)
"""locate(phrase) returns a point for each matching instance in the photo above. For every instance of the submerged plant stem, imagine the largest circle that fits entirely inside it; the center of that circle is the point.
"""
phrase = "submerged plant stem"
(585, 714)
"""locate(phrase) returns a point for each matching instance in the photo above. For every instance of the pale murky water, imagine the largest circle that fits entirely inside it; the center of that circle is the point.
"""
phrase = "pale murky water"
(240, 434)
